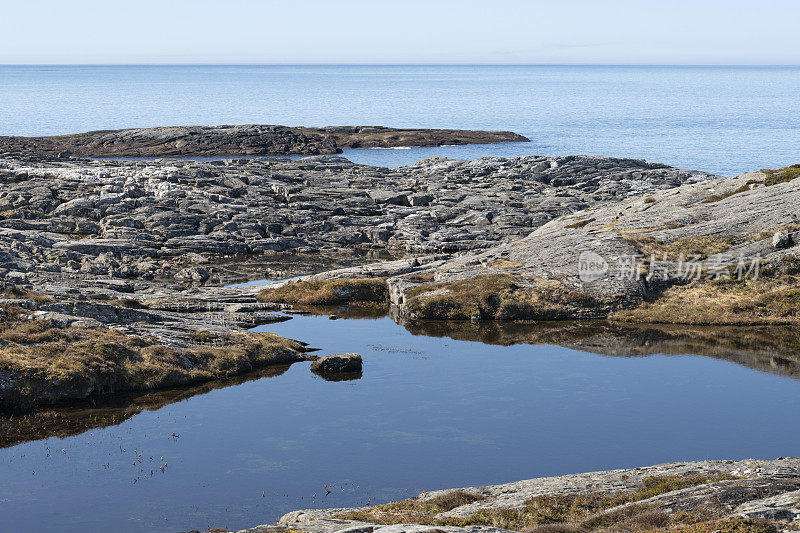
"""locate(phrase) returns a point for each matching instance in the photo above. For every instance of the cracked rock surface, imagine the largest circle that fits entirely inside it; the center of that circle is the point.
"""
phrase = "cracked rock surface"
(757, 489)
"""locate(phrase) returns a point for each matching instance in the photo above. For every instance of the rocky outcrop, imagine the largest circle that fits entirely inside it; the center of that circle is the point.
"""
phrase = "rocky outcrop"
(142, 220)
(245, 140)
(140, 246)
(629, 251)
(707, 494)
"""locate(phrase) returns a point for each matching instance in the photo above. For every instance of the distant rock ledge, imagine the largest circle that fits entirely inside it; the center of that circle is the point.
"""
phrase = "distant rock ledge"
(245, 140)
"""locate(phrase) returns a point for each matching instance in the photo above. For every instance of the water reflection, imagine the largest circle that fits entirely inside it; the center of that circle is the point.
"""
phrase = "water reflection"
(768, 349)
(95, 413)
(506, 403)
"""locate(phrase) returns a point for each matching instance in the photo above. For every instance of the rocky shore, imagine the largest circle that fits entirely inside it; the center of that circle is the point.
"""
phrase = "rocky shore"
(244, 140)
(146, 249)
(699, 497)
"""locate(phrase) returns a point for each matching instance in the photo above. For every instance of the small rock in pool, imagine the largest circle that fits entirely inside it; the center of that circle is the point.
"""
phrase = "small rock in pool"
(343, 363)
(334, 317)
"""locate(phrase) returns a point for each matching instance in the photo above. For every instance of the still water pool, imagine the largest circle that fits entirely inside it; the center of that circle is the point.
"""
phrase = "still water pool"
(429, 412)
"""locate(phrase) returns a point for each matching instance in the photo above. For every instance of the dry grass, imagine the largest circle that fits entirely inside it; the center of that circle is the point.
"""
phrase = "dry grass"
(414, 510)
(420, 277)
(721, 196)
(505, 264)
(773, 298)
(579, 224)
(12, 291)
(767, 234)
(48, 364)
(781, 175)
(128, 303)
(328, 292)
(502, 297)
(700, 246)
(598, 511)
(729, 525)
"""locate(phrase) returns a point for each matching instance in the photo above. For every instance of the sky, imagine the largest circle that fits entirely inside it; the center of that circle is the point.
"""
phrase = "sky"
(394, 31)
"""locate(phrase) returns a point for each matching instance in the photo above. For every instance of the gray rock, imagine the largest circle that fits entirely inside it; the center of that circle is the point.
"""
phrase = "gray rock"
(249, 139)
(782, 239)
(757, 478)
(343, 363)
(782, 507)
(197, 274)
(555, 250)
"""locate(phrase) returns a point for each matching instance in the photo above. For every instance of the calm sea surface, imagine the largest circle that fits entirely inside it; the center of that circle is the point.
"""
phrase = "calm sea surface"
(719, 119)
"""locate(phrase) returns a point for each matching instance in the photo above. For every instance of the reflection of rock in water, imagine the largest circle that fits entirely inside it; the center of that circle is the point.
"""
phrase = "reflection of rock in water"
(768, 349)
(350, 310)
(346, 376)
(77, 418)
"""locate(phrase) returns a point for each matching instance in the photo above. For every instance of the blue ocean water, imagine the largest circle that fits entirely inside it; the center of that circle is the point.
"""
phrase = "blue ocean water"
(726, 120)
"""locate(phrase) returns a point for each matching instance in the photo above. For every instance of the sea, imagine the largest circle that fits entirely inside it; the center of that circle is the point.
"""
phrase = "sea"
(725, 120)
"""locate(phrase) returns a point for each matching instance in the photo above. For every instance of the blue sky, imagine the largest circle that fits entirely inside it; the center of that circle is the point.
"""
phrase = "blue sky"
(410, 31)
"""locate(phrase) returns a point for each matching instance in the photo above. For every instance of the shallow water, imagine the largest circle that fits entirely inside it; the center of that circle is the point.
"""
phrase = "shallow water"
(429, 412)
(725, 120)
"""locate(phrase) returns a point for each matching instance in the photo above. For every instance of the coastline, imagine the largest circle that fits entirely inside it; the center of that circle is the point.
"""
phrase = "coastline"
(137, 246)
(737, 496)
(244, 140)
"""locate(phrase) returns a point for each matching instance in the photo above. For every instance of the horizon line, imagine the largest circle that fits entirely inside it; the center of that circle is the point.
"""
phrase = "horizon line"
(334, 64)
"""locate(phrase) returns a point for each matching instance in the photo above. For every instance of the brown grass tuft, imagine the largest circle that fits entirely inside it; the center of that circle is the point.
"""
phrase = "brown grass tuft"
(47, 364)
(579, 224)
(700, 246)
(13, 291)
(553, 513)
(414, 510)
(781, 175)
(721, 196)
(328, 292)
(772, 299)
(502, 297)
(505, 264)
